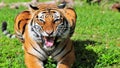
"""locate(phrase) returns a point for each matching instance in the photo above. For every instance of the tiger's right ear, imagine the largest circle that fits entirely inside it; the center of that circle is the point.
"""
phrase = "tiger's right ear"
(62, 5)
(33, 7)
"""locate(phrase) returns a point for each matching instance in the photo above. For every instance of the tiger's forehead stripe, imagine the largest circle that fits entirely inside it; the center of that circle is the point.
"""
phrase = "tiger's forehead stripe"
(54, 14)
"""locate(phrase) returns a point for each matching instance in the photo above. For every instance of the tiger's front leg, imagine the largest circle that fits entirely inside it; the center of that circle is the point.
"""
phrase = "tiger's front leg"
(67, 61)
(32, 62)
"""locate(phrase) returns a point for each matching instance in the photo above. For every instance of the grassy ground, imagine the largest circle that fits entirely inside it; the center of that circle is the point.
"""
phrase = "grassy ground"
(96, 39)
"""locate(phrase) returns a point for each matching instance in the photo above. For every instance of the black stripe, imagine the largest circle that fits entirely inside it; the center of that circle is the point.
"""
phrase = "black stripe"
(19, 24)
(73, 21)
(30, 53)
(68, 52)
(66, 25)
(35, 32)
(11, 35)
(27, 19)
(34, 55)
(31, 22)
(32, 29)
(4, 26)
(72, 28)
(24, 28)
(38, 51)
(71, 31)
(60, 50)
(42, 47)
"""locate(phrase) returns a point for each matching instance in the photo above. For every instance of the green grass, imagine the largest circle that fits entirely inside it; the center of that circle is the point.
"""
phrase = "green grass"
(96, 39)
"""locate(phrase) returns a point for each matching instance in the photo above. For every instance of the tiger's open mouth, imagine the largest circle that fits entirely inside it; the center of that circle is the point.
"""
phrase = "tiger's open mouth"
(49, 41)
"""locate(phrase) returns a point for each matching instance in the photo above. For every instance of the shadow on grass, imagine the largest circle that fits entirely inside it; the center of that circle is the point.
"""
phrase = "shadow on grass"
(84, 58)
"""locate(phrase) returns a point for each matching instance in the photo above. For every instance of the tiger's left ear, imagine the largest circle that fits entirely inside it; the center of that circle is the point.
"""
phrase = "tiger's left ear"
(33, 7)
(62, 5)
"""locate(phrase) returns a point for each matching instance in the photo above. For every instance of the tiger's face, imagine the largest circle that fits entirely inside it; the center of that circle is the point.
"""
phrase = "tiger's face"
(49, 27)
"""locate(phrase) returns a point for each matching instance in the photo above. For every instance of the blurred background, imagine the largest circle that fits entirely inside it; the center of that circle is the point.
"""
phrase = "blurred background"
(96, 37)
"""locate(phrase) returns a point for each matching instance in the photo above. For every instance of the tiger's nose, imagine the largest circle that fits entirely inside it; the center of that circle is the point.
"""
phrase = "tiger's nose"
(49, 32)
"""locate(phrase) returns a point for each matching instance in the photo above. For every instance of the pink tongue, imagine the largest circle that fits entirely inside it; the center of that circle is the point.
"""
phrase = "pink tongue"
(49, 42)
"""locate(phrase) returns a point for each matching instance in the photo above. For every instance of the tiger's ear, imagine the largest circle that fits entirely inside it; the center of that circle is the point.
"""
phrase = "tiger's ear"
(33, 7)
(62, 5)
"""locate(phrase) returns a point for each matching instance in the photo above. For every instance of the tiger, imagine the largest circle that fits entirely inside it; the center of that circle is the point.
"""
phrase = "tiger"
(45, 31)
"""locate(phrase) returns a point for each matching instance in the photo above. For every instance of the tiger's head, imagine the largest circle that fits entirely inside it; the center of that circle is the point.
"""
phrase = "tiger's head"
(49, 26)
